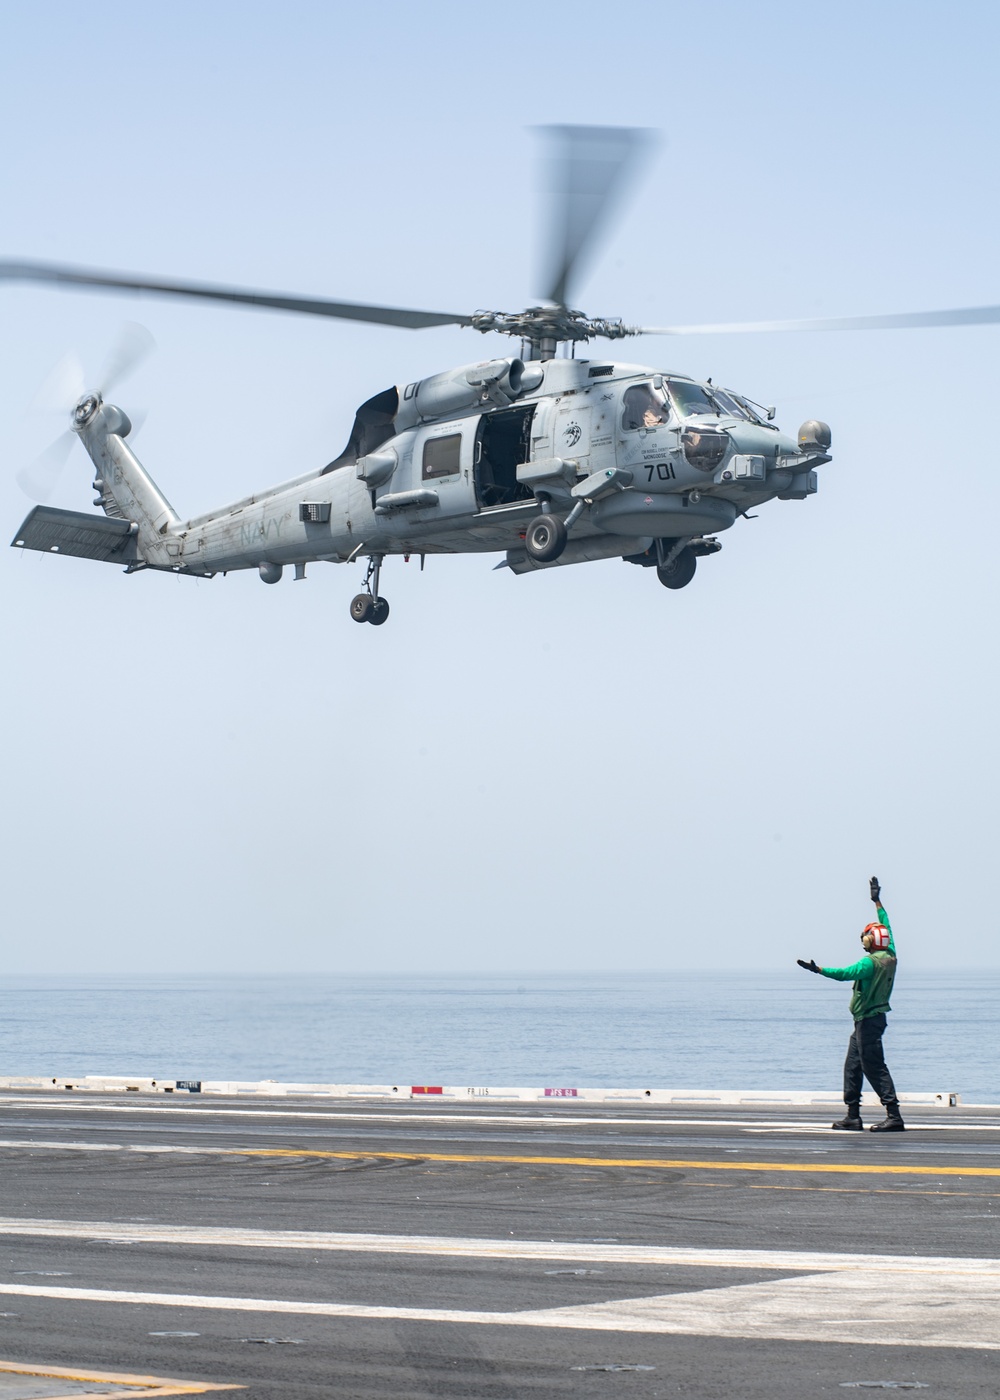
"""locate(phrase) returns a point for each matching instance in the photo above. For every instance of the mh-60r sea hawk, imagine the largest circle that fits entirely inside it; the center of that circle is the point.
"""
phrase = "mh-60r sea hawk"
(553, 459)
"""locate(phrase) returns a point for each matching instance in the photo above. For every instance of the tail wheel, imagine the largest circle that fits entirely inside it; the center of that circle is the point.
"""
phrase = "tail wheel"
(545, 539)
(680, 571)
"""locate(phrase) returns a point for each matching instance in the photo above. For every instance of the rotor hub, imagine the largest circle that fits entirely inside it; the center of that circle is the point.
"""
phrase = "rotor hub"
(86, 409)
(545, 323)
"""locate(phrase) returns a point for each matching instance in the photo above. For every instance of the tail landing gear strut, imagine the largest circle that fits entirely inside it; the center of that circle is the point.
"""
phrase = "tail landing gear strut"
(368, 606)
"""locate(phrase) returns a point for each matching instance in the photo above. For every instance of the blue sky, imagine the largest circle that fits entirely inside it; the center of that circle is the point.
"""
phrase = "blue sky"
(577, 769)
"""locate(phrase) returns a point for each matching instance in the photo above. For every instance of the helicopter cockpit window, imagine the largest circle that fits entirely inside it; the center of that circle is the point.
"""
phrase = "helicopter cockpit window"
(690, 398)
(442, 456)
(729, 403)
(645, 407)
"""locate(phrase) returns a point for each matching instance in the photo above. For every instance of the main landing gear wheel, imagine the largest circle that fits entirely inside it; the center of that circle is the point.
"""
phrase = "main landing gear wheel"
(379, 612)
(545, 538)
(680, 571)
(369, 606)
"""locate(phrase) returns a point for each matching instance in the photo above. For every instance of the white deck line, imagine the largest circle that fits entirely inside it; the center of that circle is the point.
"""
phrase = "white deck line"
(941, 1309)
(431, 1094)
(474, 1247)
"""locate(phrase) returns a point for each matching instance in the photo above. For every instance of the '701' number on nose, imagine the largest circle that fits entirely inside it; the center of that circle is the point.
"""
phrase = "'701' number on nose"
(664, 471)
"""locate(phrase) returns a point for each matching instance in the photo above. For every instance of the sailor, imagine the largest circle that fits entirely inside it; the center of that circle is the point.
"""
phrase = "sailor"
(873, 977)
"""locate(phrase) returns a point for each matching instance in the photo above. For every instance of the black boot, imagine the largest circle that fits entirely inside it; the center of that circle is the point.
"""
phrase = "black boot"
(891, 1123)
(852, 1123)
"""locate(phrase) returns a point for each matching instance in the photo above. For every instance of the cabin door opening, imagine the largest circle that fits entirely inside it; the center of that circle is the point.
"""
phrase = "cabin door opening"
(503, 443)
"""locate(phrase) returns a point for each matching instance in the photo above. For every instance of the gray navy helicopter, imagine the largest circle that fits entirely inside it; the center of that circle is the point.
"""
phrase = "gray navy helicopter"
(551, 458)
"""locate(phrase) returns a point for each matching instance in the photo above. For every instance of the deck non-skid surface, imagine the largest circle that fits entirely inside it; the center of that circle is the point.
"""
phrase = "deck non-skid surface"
(313, 1250)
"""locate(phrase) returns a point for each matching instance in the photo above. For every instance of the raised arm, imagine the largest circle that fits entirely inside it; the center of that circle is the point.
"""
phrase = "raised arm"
(864, 967)
(883, 917)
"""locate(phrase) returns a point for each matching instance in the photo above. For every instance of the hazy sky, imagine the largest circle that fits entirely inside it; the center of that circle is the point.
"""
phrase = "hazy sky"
(578, 769)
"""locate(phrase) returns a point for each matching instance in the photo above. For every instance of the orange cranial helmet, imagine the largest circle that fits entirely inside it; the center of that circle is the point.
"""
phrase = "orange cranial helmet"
(875, 938)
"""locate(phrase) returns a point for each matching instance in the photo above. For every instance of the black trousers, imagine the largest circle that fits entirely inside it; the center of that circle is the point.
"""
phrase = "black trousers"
(865, 1060)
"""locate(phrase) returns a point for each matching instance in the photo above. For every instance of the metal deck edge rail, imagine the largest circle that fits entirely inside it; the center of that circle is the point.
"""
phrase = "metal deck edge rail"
(266, 1088)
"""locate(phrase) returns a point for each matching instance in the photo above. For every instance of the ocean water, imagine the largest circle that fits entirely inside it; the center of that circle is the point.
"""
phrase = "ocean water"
(693, 1030)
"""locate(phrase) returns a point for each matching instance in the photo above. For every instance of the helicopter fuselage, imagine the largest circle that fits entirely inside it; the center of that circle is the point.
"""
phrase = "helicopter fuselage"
(637, 462)
(466, 481)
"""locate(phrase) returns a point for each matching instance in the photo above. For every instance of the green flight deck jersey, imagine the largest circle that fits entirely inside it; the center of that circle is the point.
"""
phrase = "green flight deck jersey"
(872, 976)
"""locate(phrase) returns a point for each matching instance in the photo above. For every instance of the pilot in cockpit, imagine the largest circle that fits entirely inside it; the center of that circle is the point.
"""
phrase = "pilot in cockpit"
(645, 407)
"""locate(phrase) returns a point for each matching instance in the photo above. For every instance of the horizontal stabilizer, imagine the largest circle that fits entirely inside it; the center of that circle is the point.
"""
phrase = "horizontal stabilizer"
(74, 532)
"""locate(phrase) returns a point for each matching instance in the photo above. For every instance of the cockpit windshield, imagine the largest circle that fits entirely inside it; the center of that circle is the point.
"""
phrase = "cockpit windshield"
(731, 404)
(689, 399)
(648, 406)
(693, 399)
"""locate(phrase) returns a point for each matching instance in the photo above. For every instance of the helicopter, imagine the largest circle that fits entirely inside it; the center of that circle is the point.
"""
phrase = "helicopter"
(549, 458)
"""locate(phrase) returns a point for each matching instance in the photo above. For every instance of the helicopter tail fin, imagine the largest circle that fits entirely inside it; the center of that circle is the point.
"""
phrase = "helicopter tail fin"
(125, 490)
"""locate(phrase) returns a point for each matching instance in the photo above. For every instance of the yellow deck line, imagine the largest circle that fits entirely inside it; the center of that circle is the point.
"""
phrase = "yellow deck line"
(157, 1392)
(151, 1385)
(510, 1159)
(663, 1164)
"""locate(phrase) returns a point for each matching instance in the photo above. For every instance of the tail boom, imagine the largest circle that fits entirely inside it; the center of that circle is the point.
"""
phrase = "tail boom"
(125, 489)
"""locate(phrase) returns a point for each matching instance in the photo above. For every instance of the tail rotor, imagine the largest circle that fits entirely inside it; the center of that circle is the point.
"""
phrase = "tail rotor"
(59, 394)
(131, 346)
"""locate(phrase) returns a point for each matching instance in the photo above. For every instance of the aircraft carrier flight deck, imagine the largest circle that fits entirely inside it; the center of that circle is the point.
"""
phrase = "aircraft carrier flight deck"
(298, 1247)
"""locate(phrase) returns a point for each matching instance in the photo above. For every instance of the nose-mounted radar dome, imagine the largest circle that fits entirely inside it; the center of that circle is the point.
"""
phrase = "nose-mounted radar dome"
(815, 436)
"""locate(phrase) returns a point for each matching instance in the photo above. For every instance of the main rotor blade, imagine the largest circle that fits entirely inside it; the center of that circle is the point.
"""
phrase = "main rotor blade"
(904, 320)
(205, 291)
(587, 176)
